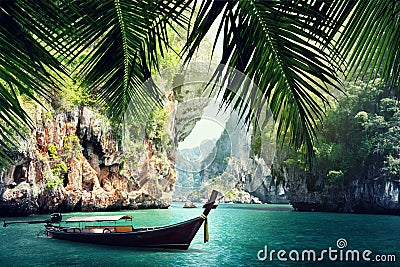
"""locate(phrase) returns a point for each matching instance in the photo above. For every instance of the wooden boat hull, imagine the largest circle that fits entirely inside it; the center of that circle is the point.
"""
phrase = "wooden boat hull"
(175, 236)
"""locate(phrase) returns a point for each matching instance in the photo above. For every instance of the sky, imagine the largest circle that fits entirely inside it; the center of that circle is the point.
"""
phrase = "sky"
(210, 126)
(205, 128)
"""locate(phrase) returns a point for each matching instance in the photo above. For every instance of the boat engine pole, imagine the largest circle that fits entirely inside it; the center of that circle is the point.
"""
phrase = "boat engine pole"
(54, 218)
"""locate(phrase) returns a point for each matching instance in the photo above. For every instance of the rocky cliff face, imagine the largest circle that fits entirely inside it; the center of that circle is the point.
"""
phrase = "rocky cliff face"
(256, 178)
(365, 194)
(230, 168)
(362, 196)
(72, 162)
(247, 172)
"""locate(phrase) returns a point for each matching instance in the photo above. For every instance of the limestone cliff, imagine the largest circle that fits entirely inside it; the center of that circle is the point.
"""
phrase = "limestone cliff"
(368, 192)
(377, 196)
(230, 168)
(73, 162)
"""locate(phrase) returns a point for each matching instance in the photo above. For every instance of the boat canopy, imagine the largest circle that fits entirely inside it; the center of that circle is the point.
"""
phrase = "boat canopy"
(99, 218)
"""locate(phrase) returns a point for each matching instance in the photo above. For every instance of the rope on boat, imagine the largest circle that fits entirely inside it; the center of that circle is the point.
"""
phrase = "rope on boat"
(206, 234)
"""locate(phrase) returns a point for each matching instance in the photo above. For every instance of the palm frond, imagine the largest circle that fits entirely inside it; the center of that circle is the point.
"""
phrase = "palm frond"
(29, 49)
(287, 48)
(126, 39)
(371, 41)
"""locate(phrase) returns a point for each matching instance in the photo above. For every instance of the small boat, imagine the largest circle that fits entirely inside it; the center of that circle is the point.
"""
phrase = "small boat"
(189, 205)
(174, 236)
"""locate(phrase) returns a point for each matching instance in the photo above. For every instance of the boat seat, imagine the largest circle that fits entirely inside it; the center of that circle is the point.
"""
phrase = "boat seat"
(125, 228)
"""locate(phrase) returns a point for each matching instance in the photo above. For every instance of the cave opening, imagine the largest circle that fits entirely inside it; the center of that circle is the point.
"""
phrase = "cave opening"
(65, 179)
(199, 149)
(20, 174)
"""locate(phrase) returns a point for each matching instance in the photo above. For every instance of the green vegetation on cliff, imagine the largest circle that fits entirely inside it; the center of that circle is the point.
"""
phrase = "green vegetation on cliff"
(358, 139)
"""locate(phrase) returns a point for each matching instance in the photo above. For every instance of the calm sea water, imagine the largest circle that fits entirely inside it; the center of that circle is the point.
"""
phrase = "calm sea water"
(237, 234)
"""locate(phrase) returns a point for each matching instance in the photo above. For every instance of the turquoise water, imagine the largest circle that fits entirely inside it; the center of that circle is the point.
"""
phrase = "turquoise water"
(237, 234)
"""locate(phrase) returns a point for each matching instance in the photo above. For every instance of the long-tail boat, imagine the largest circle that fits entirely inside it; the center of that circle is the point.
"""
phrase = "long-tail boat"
(104, 230)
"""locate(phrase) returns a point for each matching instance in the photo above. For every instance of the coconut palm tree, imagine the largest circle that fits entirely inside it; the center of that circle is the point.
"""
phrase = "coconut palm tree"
(297, 52)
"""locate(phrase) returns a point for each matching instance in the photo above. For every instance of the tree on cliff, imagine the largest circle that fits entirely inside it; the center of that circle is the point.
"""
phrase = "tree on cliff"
(297, 52)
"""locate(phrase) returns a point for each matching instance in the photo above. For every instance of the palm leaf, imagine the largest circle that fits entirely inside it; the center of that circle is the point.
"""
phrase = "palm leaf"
(371, 41)
(28, 51)
(127, 38)
(287, 48)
